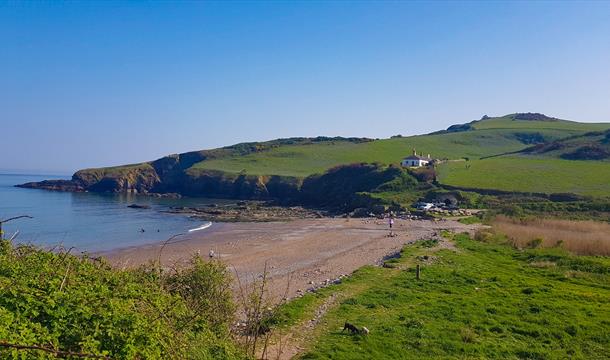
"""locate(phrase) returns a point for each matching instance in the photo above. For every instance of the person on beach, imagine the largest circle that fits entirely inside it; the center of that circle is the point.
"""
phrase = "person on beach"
(391, 223)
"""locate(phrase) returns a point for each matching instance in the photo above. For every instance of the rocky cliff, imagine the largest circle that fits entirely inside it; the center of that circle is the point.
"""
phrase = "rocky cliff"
(344, 187)
(174, 174)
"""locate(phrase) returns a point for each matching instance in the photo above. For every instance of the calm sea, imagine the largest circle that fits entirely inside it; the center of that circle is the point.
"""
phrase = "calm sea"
(87, 221)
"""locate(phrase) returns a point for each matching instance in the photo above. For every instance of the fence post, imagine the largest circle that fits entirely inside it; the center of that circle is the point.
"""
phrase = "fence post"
(417, 270)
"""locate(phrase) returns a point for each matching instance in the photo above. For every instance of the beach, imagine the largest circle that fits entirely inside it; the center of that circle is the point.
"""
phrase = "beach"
(299, 255)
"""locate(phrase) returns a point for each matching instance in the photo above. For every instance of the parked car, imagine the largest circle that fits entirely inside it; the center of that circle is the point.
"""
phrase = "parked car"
(423, 206)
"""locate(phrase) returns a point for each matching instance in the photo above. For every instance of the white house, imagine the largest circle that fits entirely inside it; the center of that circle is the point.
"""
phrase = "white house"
(415, 160)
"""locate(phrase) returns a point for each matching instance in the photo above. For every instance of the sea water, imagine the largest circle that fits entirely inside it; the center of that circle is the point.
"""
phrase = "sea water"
(89, 221)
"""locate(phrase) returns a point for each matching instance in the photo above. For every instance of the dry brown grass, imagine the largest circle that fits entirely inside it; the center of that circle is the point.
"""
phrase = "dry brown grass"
(578, 237)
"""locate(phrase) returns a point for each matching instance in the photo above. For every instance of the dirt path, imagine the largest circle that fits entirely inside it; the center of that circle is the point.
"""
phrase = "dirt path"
(299, 337)
(309, 252)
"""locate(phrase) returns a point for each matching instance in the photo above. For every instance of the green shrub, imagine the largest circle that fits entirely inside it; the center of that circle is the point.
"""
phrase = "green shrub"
(80, 304)
(468, 335)
(470, 220)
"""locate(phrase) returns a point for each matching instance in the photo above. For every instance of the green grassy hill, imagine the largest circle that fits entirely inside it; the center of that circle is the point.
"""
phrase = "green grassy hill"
(490, 137)
(575, 164)
(485, 138)
(503, 153)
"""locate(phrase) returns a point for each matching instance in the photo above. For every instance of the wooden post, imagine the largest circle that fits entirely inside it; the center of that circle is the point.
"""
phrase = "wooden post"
(417, 272)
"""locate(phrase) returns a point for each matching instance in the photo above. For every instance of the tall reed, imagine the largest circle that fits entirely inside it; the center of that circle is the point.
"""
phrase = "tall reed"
(578, 237)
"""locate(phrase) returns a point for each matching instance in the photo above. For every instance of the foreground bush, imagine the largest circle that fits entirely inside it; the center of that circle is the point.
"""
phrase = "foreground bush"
(68, 306)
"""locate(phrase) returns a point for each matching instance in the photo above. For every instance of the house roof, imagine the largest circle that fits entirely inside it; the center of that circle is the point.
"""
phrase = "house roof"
(416, 157)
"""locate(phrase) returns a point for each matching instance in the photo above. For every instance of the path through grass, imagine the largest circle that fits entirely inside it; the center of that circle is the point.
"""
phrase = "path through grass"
(483, 301)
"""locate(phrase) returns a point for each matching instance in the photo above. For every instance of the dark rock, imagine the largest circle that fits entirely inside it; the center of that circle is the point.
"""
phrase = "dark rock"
(377, 209)
(165, 195)
(533, 117)
(359, 213)
(136, 206)
(459, 128)
(56, 185)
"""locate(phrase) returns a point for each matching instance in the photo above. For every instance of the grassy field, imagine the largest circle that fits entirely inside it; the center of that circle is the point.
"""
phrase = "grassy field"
(481, 301)
(303, 160)
(526, 174)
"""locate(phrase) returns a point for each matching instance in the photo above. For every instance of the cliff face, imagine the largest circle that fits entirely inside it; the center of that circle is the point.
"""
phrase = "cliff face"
(170, 175)
(140, 178)
(218, 184)
(343, 187)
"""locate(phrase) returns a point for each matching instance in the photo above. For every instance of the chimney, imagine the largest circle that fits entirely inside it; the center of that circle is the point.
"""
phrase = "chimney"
(428, 156)
(414, 152)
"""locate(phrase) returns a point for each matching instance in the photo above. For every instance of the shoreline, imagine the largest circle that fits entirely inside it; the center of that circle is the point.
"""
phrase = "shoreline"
(300, 255)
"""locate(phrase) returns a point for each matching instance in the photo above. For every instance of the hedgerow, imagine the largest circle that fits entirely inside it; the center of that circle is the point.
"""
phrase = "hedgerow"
(54, 304)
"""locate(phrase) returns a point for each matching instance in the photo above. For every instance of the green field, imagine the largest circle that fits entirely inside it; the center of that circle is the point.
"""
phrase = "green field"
(303, 160)
(481, 301)
(526, 174)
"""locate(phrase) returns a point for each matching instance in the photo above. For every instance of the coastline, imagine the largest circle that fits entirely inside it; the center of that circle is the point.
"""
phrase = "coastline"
(301, 254)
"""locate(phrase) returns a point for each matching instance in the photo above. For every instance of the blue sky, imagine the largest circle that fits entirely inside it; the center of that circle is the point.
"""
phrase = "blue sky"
(86, 84)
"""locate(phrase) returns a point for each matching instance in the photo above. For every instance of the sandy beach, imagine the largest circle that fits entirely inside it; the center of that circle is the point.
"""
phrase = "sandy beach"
(309, 252)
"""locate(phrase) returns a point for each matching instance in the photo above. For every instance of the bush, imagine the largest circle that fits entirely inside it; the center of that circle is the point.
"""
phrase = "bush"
(340, 187)
(468, 335)
(587, 152)
(424, 174)
(485, 236)
(62, 302)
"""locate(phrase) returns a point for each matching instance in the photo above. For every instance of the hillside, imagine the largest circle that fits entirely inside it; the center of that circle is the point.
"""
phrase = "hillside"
(575, 164)
(278, 168)
(483, 138)
(590, 146)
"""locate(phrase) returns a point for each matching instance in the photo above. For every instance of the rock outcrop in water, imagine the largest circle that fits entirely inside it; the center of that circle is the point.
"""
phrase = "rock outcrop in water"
(57, 185)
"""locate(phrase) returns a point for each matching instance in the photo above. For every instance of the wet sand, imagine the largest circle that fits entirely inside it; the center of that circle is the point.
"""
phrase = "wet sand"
(308, 252)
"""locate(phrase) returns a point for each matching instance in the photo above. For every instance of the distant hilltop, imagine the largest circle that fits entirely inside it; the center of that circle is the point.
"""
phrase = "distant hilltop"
(527, 117)
(514, 117)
